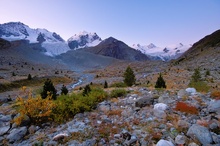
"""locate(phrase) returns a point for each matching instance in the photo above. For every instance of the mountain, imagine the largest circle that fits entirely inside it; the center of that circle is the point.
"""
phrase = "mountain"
(117, 49)
(204, 54)
(83, 39)
(166, 54)
(51, 41)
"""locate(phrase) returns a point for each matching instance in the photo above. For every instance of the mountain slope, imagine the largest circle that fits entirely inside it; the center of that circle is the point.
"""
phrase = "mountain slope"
(83, 39)
(166, 54)
(52, 42)
(117, 49)
(203, 54)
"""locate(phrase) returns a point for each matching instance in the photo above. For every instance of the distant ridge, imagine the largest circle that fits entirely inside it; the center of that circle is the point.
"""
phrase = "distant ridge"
(117, 49)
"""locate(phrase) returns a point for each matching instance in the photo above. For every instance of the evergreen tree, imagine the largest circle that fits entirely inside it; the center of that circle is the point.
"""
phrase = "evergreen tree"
(86, 90)
(196, 77)
(64, 90)
(105, 84)
(160, 82)
(129, 77)
(29, 77)
(49, 89)
(207, 73)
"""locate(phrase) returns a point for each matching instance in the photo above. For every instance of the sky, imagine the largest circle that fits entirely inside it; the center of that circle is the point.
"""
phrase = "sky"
(162, 22)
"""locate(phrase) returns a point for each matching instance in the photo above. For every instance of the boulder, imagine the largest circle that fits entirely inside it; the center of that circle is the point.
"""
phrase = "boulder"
(5, 118)
(202, 134)
(191, 90)
(180, 139)
(144, 101)
(214, 106)
(104, 107)
(164, 143)
(182, 93)
(16, 134)
(160, 106)
(165, 99)
(159, 114)
(4, 127)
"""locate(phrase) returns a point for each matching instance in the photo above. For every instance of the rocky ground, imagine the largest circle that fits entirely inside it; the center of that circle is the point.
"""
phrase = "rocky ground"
(143, 117)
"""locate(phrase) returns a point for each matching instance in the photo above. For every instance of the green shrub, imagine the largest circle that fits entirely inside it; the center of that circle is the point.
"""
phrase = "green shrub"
(118, 93)
(69, 105)
(200, 86)
(119, 85)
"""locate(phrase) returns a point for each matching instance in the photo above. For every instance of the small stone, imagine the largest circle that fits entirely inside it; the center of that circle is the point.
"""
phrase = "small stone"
(60, 136)
(117, 136)
(180, 139)
(193, 144)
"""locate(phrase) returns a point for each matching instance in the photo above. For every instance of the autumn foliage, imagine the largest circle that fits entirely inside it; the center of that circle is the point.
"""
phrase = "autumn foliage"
(184, 107)
(37, 109)
(215, 94)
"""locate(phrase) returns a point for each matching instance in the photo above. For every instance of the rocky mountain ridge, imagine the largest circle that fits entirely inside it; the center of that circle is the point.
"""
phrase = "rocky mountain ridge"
(117, 49)
(165, 54)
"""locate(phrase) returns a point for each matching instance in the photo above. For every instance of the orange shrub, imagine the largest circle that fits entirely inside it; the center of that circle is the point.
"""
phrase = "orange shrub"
(184, 107)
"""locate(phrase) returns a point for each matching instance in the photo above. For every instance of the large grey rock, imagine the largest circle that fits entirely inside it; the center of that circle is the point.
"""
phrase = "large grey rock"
(16, 134)
(144, 101)
(180, 139)
(214, 106)
(202, 134)
(5, 118)
(182, 93)
(165, 99)
(4, 127)
(164, 143)
(159, 114)
(104, 106)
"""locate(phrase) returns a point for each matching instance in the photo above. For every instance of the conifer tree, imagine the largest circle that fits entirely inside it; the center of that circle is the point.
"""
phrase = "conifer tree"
(160, 82)
(105, 84)
(196, 77)
(64, 90)
(29, 77)
(129, 77)
(86, 90)
(49, 89)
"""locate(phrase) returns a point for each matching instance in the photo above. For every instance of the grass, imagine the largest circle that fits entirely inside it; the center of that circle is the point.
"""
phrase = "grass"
(184, 107)
(118, 93)
(200, 86)
(36, 81)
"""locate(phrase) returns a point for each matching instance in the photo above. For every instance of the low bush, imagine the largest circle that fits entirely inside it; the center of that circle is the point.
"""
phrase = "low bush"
(118, 93)
(200, 86)
(215, 94)
(119, 85)
(184, 107)
(70, 105)
(37, 109)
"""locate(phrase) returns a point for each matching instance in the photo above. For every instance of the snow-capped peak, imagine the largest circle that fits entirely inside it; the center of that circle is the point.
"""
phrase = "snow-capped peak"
(19, 31)
(83, 39)
(51, 41)
(167, 53)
